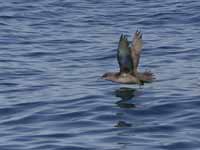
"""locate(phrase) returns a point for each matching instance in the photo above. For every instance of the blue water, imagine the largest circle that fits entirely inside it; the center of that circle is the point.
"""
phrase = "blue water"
(53, 53)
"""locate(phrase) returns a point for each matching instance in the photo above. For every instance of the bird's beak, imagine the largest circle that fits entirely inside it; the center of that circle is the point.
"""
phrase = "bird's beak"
(103, 76)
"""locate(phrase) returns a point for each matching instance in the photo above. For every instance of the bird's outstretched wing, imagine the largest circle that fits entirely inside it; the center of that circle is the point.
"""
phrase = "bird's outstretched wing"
(136, 48)
(124, 55)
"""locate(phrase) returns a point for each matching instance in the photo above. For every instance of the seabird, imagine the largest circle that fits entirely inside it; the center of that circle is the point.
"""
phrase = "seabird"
(128, 56)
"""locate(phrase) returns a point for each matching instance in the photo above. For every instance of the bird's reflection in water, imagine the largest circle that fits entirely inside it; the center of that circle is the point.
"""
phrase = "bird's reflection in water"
(123, 124)
(125, 94)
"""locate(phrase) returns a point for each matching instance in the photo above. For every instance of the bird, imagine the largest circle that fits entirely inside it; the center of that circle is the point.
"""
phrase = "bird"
(128, 57)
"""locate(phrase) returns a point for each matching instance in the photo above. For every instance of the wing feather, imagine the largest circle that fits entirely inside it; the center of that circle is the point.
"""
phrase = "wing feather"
(124, 55)
(136, 49)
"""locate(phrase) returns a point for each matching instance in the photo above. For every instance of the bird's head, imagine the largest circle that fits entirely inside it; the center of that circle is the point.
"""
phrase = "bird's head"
(109, 76)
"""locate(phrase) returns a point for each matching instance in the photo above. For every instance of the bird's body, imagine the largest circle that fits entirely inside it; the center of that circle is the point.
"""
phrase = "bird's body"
(125, 78)
(128, 58)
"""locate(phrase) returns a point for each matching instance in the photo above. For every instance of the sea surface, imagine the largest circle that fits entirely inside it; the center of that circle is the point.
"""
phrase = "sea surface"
(53, 54)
